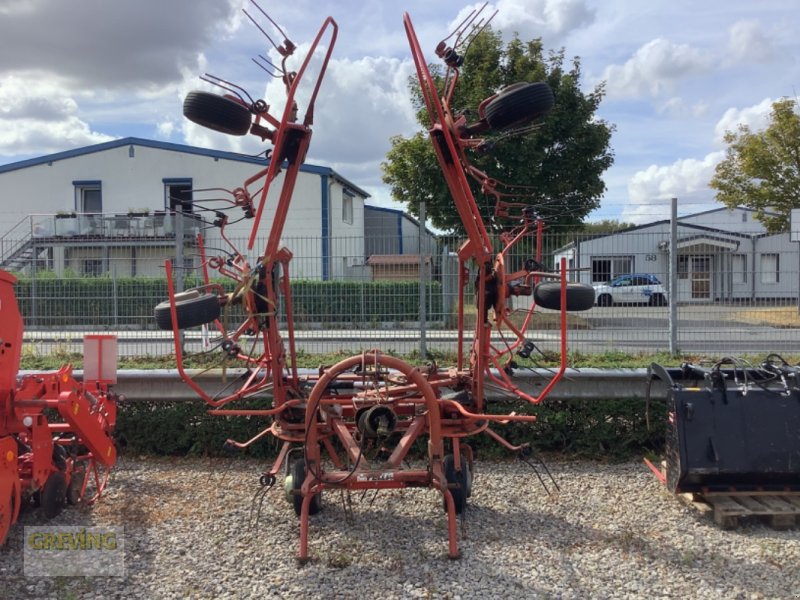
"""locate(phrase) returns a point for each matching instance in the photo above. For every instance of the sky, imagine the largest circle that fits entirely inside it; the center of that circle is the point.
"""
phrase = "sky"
(677, 74)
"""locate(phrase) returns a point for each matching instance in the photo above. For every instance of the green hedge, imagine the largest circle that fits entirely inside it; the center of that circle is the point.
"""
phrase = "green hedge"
(106, 302)
(612, 429)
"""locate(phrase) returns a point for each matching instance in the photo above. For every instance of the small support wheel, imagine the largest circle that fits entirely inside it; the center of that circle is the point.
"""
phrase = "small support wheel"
(217, 112)
(297, 474)
(76, 488)
(579, 295)
(192, 308)
(459, 482)
(54, 493)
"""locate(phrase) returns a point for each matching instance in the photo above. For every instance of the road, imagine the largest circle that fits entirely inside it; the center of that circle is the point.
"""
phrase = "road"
(708, 329)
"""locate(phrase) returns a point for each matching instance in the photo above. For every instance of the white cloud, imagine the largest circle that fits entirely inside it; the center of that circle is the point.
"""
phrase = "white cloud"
(38, 116)
(99, 44)
(551, 20)
(747, 43)
(655, 69)
(755, 117)
(685, 179)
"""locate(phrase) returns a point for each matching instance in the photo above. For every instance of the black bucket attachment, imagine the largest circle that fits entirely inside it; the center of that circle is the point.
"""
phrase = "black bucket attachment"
(732, 428)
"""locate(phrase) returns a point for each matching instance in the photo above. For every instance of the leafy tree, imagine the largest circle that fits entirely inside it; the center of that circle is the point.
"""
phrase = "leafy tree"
(606, 226)
(761, 170)
(561, 162)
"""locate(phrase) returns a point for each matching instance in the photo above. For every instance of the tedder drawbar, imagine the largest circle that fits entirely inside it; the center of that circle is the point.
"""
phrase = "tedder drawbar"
(331, 423)
(55, 431)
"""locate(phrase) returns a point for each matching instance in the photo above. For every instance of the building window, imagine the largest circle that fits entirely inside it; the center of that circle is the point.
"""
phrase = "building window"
(347, 207)
(88, 197)
(770, 268)
(92, 267)
(739, 268)
(607, 267)
(683, 267)
(178, 192)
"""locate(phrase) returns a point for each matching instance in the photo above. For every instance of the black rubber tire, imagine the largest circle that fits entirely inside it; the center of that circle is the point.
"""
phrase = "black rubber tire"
(298, 475)
(217, 113)
(518, 104)
(75, 485)
(54, 494)
(580, 296)
(462, 481)
(191, 308)
(604, 300)
(658, 300)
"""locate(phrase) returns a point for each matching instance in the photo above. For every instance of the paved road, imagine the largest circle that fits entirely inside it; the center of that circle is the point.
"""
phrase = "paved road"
(640, 330)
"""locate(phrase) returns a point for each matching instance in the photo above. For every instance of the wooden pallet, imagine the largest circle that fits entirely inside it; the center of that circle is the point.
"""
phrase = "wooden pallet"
(780, 510)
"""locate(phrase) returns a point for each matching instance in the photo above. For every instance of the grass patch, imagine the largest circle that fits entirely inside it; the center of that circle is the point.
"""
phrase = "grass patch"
(784, 316)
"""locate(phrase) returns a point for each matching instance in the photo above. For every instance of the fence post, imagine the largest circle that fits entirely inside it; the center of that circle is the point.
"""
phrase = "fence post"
(115, 294)
(423, 278)
(673, 278)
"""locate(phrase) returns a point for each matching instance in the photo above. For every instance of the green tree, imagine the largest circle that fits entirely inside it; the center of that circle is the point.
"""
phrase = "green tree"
(606, 226)
(761, 170)
(561, 162)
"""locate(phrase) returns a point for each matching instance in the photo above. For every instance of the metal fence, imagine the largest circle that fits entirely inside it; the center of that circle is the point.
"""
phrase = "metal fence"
(733, 293)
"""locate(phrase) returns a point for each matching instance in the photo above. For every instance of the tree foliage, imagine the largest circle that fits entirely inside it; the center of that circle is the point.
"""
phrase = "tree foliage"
(761, 170)
(561, 162)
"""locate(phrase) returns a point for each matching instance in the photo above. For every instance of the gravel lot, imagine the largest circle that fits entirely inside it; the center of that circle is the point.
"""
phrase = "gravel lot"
(611, 532)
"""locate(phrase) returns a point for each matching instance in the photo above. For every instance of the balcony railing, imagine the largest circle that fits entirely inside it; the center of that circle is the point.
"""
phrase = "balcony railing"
(112, 226)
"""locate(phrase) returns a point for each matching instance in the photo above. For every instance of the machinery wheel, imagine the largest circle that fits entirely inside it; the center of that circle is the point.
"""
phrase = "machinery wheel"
(658, 300)
(518, 104)
(604, 300)
(53, 494)
(297, 473)
(217, 112)
(462, 481)
(192, 308)
(75, 487)
(579, 295)
(6, 514)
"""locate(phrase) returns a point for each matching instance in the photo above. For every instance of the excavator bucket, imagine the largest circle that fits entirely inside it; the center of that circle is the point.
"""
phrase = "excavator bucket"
(732, 429)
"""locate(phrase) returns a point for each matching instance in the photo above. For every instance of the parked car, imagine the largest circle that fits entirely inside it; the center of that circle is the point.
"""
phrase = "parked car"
(636, 288)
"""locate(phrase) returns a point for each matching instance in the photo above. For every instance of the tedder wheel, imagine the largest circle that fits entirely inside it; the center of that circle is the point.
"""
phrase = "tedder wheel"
(192, 308)
(53, 494)
(579, 295)
(297, 473)
(462, 481)
(217, 112)
(6, 514)
(518, 104)
(75, 487)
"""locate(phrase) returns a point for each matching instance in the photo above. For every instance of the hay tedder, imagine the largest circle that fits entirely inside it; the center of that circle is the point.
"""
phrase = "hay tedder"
(55, 431)
(351, 426)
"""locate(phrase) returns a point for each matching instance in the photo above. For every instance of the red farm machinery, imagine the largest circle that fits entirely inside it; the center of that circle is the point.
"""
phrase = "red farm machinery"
(351, 426)
(55, 431)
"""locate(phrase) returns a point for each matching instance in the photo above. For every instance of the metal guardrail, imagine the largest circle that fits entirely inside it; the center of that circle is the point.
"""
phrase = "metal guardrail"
(600, 384)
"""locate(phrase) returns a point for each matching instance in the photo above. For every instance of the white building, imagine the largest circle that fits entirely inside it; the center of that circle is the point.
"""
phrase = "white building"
(114, 205)
(723, 255)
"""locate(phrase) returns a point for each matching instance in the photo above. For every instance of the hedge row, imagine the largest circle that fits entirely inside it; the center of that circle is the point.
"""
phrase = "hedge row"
(612, 429)
(105, 302)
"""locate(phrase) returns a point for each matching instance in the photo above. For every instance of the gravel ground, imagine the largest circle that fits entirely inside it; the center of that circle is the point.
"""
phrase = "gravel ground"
(611, 532)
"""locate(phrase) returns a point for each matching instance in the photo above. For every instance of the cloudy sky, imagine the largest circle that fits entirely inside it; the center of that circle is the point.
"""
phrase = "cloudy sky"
(679, 73)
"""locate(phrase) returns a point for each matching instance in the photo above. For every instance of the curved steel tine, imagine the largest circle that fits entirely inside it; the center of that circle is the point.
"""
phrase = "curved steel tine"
(227, 85)
(468, 19)
(269, 71)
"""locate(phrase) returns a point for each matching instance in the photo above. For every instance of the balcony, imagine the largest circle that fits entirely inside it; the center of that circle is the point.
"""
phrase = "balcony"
(142, 226)
(36, 233)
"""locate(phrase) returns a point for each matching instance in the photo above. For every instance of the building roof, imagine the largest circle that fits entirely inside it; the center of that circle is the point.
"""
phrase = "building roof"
(170, 146)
